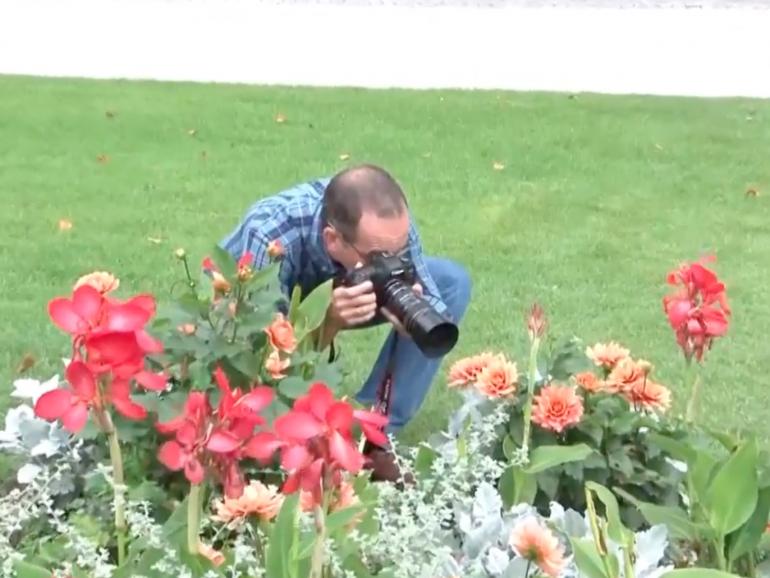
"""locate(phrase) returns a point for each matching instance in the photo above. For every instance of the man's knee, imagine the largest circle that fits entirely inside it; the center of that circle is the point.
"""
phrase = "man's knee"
(453, 281)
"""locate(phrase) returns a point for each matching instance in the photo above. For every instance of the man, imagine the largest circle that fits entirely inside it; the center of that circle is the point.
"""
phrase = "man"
(329, 226)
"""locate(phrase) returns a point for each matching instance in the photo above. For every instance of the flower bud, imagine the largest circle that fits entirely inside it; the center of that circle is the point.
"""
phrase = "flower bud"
(275, 249)
(536, 322)
(180, 254)
(187, 328)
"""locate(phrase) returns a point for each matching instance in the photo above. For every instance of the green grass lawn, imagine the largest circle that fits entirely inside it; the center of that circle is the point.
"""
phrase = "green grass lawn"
(598, 199)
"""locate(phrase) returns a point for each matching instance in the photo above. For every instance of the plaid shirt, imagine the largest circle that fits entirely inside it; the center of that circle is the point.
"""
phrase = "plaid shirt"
(293, 217)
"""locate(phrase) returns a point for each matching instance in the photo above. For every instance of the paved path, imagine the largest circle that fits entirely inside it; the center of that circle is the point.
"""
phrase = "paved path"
(691, 47)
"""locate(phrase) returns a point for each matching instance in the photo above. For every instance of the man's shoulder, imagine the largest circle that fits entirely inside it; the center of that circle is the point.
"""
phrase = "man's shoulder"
(296, 201)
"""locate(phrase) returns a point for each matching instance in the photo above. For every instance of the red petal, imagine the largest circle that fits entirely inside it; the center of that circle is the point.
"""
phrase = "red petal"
(82, 380)
(715, 322)
(221, 378)
(320, 398)
(194, 472)
(340, 416)
(53, 404)
(172, 456)
(371, 417)
(113, 348)
(345, 453)
(678, 311)
(145, 302)
(291, 484)
(148, 343)
(374, 434)
(262, 446)
(207, 263)
(310, 478)
(153, 381)
(126, 317)
(75, 418)
(187, 434)
(171, 425)
(64, 316)
(234, 483)
(246, 259)
(87, 302)
(129, 409)
(257, 399)
(298, 426)
(294, 458)
(197, 403)
(222, 442)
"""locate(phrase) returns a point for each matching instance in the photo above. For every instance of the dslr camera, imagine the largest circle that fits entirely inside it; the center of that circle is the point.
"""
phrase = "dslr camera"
(392, 277)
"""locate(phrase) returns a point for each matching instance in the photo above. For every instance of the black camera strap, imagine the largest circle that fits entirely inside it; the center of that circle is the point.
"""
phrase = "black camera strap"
(384, 389)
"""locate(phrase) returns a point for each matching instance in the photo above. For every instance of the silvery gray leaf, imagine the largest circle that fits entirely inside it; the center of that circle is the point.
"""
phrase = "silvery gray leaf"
(27, 473)
(448, 567)
(46, 447)
(763, 570)
(15, 417)
(516, 568)
(678, 465)
(497, 561)
(33, 431)
(575, 525)
(487, 502)
(32, 389)
(656, 572)
(63, 484)
(650, 547)
(482, 537)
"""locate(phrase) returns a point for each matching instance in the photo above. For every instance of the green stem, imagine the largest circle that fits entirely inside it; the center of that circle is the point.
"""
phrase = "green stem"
(692, 402)
(193, 518)
(116, 457)
(526, 572)
(720, 548)
(531, 377)
(317, 561)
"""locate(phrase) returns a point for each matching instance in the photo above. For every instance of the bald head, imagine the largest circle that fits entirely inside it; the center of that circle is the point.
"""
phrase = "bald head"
(359, 189)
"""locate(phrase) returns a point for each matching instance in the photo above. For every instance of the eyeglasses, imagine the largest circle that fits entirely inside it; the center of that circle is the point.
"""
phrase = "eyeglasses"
(402, 252)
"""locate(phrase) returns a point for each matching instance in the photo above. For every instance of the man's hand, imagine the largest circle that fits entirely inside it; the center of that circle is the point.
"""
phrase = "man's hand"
(417, 288)
(352, 306)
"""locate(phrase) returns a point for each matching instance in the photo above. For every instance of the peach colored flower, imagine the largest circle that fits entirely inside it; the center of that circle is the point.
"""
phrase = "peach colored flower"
(537, 543)
(343, 497)
(220, 284)
(276, 366)
(275, 249)
(281, 334)
(187, 329)
(625, 375)
(607, 355)
(557, 408)
(465, 371)
(102, 281)
(257, 499)
(647, 394)
(214, 556)
(498, 379)
(588, 381)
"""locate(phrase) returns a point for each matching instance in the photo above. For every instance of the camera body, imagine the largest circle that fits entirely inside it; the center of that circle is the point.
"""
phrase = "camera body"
(392, 277)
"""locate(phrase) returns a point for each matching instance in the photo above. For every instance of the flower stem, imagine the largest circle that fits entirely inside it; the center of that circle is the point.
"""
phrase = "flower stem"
(526, 572)
(693, 401)
(531, 377)
(116, 460)
(193, 518)
(317, 561)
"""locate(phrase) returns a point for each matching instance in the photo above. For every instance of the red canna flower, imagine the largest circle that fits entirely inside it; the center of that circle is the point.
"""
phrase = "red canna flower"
(214, 440)
(71, 406)
(315, 438)
(698, 311)
(244, 266)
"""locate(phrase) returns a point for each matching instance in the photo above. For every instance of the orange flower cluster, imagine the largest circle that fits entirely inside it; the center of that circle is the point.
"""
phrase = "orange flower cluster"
(491, 374)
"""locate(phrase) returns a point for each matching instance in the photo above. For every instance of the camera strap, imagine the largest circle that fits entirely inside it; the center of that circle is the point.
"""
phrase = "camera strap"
(384, 389)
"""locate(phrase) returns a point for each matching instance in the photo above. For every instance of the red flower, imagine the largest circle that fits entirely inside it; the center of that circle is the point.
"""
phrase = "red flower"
(317, 433)
(698, 311)
(70, 405)
(215, 440)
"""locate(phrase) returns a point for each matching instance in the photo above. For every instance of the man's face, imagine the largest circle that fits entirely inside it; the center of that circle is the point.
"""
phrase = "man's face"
(386, 234)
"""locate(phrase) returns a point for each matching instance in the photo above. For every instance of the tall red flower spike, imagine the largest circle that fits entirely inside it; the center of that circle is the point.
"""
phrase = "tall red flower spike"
(109, 349)
(316, 436)
(212, 440)
(698, 310)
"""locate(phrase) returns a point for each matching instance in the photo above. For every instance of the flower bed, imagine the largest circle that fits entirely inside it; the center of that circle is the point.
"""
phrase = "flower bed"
(208, 438)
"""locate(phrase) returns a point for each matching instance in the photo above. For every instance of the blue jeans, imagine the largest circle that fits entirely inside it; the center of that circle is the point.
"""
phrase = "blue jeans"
(413, 373)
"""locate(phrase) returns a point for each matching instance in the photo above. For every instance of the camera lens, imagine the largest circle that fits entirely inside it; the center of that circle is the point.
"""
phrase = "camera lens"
(433, 333)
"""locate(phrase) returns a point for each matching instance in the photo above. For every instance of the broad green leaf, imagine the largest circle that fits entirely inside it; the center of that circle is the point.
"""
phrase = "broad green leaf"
(545, 457)
(341, 518)
(675, 519)
(568, 359)
(728, 441)
(328, 373)
(224, 262)
(587, 558)
(26, 570)
(293, 386)
(312, 311)
(698, 573)
(701, 473)
(296, 299)
(733, 493)
(507, 487)
(279, 561)
(509, 447)
(424, 460)
(615, 528)
(263, 278)
(678, 449)
(248, 363)
(748, 536)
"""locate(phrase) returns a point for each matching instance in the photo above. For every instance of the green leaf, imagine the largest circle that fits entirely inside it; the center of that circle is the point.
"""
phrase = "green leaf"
(733, 493)
(618, 460)
(296, 299)
(748, 536)
(677, 449)
(328, 373)
(698, 573)
(312, 311)
(341, 518)
(517, 487)
(545, 457)
(424, 460)
(587, 558)
(26, 570)
(224, 262)
(293, 386)
(278, 561)
(568, 359)
(509, 446)
(615, 528)
(675, 519)
(248, 363)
